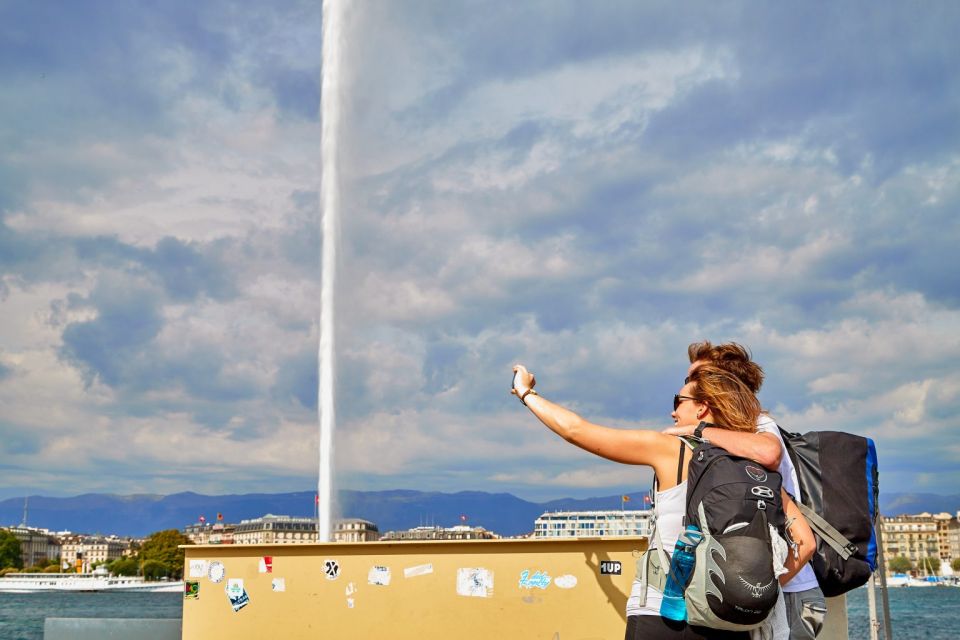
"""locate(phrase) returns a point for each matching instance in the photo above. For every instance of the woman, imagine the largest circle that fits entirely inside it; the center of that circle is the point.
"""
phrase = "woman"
(711, 395)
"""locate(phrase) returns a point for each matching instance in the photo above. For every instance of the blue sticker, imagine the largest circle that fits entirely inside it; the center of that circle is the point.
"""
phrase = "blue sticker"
(539, 580)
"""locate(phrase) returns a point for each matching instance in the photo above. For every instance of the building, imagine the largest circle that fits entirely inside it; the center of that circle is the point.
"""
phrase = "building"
(586, 524)
(355, 530)
(210, 533)
(459, 532)
(36, 545)
(84, 552)
(915, 537)
(271, 529)
(944, 522)
(953, 538)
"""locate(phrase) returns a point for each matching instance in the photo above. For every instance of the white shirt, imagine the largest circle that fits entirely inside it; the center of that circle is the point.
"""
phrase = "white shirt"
(805, 578)
(670, 506)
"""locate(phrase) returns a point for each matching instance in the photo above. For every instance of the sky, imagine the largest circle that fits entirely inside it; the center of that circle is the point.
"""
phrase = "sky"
(585, 188)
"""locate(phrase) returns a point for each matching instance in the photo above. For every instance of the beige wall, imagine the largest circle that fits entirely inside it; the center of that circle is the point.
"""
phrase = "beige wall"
(425, 603)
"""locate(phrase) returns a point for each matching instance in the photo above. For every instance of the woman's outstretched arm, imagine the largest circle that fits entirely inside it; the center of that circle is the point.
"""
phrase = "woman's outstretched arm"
(630, 446)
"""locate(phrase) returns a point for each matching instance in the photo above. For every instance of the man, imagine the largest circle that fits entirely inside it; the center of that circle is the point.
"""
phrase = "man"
(804, 600)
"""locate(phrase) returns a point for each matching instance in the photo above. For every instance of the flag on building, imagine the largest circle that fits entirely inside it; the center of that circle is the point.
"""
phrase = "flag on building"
(626, 498)
(202, 519)
(463, 517)
(219, 517)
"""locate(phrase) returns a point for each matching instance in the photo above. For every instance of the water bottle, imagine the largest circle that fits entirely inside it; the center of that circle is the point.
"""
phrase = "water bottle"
(673, 606)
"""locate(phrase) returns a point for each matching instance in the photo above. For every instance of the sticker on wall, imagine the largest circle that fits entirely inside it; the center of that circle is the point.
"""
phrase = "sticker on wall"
(199, 568)
(279, 584)
(610, 568)
(565, 581)
(266, 564)
(475, 583)
(240, 601)
(349, 591)
(379, 575)
(216, 572)
(419, 570)
(537, 580)
(191, 590)
(237, 594)
(331, 569)
(234, 587)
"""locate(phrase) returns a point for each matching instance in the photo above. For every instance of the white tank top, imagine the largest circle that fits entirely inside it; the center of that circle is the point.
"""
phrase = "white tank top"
(670, 506)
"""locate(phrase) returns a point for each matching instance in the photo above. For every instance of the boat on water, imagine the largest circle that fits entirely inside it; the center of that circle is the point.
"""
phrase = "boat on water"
(904, 580)
(34, 582)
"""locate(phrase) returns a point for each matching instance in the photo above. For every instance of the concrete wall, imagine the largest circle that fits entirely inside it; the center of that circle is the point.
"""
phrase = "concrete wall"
(421, 590)
(470, 589)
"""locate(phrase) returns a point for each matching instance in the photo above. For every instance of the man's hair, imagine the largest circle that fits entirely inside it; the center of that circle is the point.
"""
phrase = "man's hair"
(731, 357)
(733, 405)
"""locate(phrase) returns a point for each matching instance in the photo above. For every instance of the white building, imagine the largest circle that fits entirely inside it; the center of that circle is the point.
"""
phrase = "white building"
(591, 524)
(459, 532)
(82, 552)
(271, 529)
(36, 545)
(355, 530)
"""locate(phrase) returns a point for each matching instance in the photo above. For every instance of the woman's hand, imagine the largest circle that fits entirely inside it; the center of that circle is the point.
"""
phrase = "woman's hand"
(522, 380)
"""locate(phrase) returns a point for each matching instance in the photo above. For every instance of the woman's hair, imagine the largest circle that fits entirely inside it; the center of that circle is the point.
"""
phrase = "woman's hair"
(731, 357)
(733, 405)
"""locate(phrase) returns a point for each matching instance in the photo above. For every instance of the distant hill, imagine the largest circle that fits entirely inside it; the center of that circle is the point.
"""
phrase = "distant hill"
(506, 514)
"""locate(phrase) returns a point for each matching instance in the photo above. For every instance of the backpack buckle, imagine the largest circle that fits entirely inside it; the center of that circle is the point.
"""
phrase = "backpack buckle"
(762, 492)
(761, 505)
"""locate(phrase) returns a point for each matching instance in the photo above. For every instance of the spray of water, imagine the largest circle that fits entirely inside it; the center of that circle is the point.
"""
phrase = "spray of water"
(330, 206)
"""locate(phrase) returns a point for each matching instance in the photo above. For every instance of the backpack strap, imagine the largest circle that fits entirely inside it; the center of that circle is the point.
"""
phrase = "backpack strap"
(661, 553)
(828, 533)
(683, 450)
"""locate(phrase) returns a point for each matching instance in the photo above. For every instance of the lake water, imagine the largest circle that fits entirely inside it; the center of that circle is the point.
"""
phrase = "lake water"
(22, 614)
(922, 613)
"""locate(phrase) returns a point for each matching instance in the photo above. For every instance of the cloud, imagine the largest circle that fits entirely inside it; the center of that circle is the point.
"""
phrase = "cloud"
(586, 193)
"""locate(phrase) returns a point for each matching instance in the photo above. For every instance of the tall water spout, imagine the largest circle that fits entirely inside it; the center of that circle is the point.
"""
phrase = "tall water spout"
(330, 103)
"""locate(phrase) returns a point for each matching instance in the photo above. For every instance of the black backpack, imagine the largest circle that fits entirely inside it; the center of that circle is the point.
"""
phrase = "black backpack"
(733, 501)
(839, 497)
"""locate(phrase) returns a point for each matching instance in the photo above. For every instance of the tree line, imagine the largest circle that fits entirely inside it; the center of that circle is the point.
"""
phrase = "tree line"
(158, 557)
(903, 564)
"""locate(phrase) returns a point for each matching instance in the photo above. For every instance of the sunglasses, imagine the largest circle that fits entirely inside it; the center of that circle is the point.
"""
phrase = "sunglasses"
(677, 399)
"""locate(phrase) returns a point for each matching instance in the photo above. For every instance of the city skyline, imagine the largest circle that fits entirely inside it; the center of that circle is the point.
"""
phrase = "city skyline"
(584, 190)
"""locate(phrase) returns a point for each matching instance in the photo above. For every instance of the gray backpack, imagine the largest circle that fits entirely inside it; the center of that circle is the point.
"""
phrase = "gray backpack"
(733, 501)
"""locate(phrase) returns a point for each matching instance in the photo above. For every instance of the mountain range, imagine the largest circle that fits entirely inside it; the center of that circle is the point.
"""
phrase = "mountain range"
(503, 513)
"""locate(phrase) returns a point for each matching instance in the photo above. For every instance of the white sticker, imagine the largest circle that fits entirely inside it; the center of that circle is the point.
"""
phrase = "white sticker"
(266, 564)
(235, 587)
(199, 568)
(475, 583)
(349, 603)
(379, 575)
(419, 570)
(331, 569)
(350, 590)
(566, 581)
(216, 572)
(279, 584)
